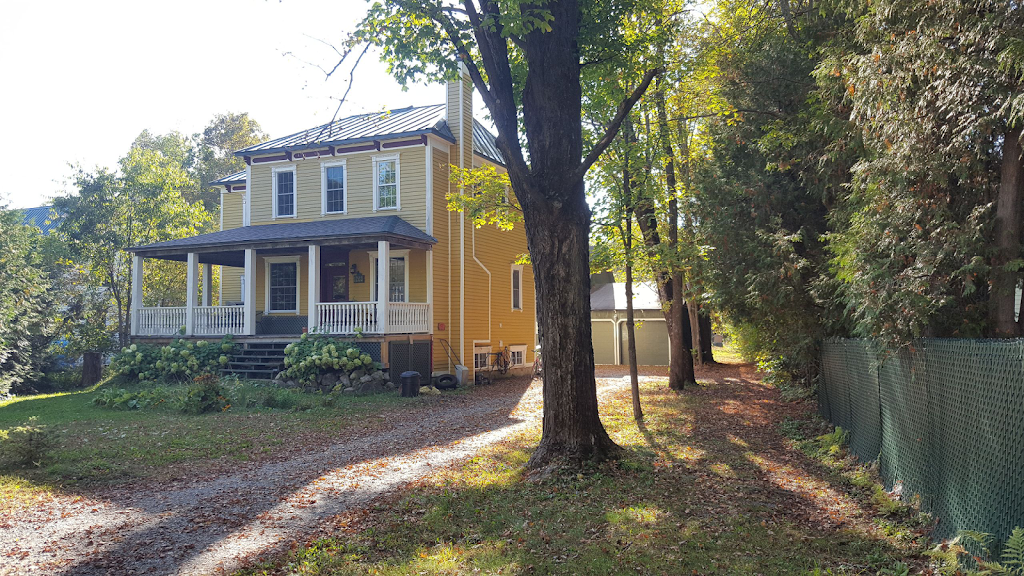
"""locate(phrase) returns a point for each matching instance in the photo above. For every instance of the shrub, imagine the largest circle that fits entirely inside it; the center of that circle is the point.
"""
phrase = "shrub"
(121, 399)
(179, 361)
(204, 395)
(314, 355)
(955, 558)
(27, 445)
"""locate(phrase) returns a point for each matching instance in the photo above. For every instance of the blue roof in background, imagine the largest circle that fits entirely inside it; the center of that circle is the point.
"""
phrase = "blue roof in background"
(42, 217)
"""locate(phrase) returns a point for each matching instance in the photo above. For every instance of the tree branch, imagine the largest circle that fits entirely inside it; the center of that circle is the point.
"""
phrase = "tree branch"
(351, 80)
(613, 128)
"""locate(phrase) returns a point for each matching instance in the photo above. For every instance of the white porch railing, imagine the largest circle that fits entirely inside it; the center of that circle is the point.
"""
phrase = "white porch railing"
(347, 317)
(218, 320)
(161, 321)
(408, 317)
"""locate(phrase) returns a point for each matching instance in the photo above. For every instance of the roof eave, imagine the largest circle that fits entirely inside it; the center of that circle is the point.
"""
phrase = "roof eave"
(142, 250)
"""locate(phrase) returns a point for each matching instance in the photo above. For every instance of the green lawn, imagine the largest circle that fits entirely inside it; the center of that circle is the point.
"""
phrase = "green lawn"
(102, 446)
(697, 493)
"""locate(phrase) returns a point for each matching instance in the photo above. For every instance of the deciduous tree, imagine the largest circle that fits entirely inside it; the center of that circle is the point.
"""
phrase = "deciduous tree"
(527, 62)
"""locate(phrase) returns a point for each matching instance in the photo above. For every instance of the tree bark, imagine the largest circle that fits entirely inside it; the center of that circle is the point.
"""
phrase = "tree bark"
(1007, 240)
(627, 242)
(670, 282)
(695, 335)
(559, 250)
(92, 368)
(706, 337)
(556, 215)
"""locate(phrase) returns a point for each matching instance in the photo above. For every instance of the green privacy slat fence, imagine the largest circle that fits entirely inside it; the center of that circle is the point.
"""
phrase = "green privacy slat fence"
(944, 417)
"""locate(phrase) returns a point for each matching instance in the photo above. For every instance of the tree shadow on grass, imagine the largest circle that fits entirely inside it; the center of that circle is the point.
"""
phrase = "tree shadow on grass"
(164, 531)
(687, 498)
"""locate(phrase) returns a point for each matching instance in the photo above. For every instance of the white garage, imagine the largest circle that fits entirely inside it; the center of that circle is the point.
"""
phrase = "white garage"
(609, 330)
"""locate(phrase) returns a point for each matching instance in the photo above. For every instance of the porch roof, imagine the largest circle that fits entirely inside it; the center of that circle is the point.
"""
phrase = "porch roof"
(347, 231)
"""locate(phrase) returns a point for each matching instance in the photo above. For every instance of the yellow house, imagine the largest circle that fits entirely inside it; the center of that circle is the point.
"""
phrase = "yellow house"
(344, 229)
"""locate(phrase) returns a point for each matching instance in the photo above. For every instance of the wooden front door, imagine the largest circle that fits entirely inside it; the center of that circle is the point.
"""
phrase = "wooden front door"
(333, 275)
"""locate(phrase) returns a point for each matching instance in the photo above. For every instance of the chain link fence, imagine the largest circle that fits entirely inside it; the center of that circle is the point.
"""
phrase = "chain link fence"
(944, 417)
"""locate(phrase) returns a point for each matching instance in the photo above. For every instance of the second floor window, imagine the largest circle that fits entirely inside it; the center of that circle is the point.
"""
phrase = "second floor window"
(385, 184)
(517, 287)
(284, 192)
(333, 176)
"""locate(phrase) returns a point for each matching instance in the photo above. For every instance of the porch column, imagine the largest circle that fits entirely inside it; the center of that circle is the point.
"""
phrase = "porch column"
(136, 292)
(313, 298)
(430, 290)
(383, 282)
(249, 293)
(191, 287)
(207, 284)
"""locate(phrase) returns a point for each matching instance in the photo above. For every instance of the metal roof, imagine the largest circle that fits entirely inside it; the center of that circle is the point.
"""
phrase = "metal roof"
(236, 178)
(403, 122)
(613, 297)
(483, 144)
(384, 226)
(411, 121)
(42, 217)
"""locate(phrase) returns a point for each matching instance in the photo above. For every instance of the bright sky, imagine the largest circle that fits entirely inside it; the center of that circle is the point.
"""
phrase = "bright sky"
(82, 79)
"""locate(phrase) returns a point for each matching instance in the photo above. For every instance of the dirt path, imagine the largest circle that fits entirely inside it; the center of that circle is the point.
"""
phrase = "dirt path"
(208, 525)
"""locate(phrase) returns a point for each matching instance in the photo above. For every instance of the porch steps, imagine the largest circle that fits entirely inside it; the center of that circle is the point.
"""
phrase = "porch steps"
(257, 360)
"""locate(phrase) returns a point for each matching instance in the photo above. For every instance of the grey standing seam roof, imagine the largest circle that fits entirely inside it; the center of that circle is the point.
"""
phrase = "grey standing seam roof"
(236, 178)
(613, 297)
(317, 229)
(403, 122)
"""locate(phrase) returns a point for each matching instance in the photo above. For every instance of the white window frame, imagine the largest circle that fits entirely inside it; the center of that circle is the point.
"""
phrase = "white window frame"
(373, 271)
(521, 348)
(398, 181)
(512, 292)
(323, 186)
(267, 261)
(487, 358)
(295, 190)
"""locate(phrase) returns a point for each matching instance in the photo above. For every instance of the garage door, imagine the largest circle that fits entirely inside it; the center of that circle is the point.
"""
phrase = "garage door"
(603, 334)
(651, 343)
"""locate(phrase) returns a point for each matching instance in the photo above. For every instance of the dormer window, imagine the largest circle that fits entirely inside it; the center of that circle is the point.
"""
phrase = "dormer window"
(284, 192)
(385, 183)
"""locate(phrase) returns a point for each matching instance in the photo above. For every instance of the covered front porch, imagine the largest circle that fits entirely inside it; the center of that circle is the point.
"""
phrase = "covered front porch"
(274, 282)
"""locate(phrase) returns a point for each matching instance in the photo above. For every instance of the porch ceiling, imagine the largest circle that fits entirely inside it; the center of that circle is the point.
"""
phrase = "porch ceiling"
(227, 247)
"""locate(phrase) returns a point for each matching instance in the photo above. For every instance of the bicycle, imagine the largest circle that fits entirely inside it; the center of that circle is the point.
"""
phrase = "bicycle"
(538, 364)
(501, 360)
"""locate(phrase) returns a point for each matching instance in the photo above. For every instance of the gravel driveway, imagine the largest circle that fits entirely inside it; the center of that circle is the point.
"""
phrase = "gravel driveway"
(214, 524)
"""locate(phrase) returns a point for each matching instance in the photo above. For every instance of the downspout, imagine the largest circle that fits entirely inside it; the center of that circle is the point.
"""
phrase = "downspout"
(462, 222)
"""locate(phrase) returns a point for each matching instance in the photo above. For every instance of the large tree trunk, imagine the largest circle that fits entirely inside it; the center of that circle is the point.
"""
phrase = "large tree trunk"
(1007, 225)
(559, 250)
(551, 192)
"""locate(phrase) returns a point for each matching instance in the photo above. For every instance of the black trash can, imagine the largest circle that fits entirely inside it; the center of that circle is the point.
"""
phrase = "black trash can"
(410, 384)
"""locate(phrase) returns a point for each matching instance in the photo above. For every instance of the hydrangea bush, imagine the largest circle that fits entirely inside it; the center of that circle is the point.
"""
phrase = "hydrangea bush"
(178, 361)
(314, 355)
